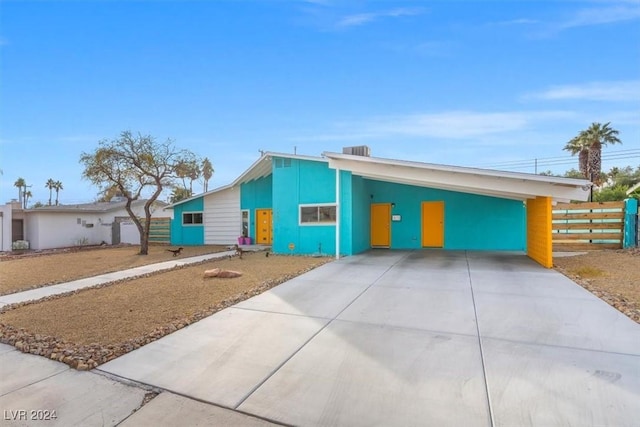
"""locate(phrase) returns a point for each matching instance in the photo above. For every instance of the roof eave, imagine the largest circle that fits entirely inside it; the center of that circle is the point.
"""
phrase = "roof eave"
(468, 180)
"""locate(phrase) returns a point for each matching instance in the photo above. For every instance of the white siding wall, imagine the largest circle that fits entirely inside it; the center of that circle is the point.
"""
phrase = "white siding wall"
(222, 218)
(129, 233)
(5, 228)
(57, 230)
(48, 230)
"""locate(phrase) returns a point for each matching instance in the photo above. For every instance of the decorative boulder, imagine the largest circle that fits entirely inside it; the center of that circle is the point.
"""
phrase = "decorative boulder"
(223, 274)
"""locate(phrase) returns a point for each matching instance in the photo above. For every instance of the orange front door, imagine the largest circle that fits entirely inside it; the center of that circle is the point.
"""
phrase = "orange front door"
(264, 226)
(381, 225)
(432, 224)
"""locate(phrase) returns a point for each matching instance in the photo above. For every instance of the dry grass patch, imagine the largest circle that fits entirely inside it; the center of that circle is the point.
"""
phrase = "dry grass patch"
(587, 272)
(33, 270)
(125, 315)
(613, 275)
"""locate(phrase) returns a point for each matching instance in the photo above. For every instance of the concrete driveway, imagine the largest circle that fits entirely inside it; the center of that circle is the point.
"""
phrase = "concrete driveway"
(407, 338)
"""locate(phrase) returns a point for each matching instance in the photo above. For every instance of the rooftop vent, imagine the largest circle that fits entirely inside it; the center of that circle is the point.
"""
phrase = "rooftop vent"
(360, 150)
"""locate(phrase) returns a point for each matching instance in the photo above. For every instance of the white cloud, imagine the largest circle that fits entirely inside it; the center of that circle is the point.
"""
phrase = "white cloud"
(628, 90)
(364, 18)
(444, 125)
(600, 16)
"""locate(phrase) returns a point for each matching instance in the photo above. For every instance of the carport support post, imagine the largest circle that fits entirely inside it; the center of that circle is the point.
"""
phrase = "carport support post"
(337, 213)
(630, 227)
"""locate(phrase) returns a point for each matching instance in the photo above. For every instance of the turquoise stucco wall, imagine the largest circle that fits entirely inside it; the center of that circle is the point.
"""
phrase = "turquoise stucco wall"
(257, 194)
(187, 234)
(308, 182)
(472, 222)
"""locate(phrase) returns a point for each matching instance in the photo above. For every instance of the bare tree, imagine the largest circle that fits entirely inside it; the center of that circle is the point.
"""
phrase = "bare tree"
(135, 164)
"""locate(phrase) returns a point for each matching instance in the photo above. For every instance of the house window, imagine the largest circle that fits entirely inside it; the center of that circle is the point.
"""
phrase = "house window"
(320, 214)
(191, 218)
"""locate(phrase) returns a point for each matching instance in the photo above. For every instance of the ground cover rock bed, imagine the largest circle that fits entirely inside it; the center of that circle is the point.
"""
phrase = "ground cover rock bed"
(611, 275)
(35, 269)
(89, 327)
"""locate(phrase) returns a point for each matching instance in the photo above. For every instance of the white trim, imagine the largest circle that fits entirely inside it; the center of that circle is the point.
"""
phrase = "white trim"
(258, 169)
(197, 196)
(315, 224)
(192, 224)
(338, 213)
(296, 156)
(514, 185)
(633, 188)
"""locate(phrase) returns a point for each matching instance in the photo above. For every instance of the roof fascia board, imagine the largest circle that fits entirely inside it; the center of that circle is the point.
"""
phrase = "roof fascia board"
(475, 183)
(262, 167)
(297, 156)
(197, 196)
(459, 169)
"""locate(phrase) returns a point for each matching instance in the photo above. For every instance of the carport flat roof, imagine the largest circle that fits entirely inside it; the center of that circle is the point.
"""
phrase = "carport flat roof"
(511, 185)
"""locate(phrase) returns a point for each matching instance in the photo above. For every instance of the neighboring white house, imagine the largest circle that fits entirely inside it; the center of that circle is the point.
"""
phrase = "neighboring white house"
(6, 222)
(61, 226)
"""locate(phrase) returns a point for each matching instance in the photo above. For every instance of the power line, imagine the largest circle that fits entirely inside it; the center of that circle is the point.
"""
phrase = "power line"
(544, 159)
(532, 165)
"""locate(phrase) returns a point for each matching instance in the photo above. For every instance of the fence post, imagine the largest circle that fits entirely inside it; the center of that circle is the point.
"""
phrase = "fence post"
(630, 226)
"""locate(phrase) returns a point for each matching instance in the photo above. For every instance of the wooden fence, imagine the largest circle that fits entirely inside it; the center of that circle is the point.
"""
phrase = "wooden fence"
(588, 226)
(160, 230)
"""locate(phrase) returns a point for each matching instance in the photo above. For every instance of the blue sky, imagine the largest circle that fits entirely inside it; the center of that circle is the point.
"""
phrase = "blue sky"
(468, 83)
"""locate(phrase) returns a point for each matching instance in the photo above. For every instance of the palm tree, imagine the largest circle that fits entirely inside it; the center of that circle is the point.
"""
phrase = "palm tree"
(21, 184)
(50, 185)
(207, 172)
(57, 186)
(580, 146)
(599, 135)
(27, 196)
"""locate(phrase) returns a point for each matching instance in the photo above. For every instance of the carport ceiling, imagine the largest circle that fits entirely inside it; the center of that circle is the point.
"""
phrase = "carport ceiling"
(510, 185)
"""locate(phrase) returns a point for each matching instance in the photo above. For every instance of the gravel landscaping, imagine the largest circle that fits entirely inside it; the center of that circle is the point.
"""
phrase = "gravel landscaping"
(22, 271)
(89, 327)
(612, 275)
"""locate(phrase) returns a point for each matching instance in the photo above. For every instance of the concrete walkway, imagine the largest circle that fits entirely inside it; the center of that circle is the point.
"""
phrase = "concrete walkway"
(35, 294)
(406, 338)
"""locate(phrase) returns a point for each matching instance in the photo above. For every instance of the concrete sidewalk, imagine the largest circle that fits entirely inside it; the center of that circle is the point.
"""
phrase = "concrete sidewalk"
(35, 294)
(35, 391)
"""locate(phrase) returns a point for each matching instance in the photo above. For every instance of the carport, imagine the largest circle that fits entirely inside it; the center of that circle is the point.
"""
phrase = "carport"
(536, 192)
